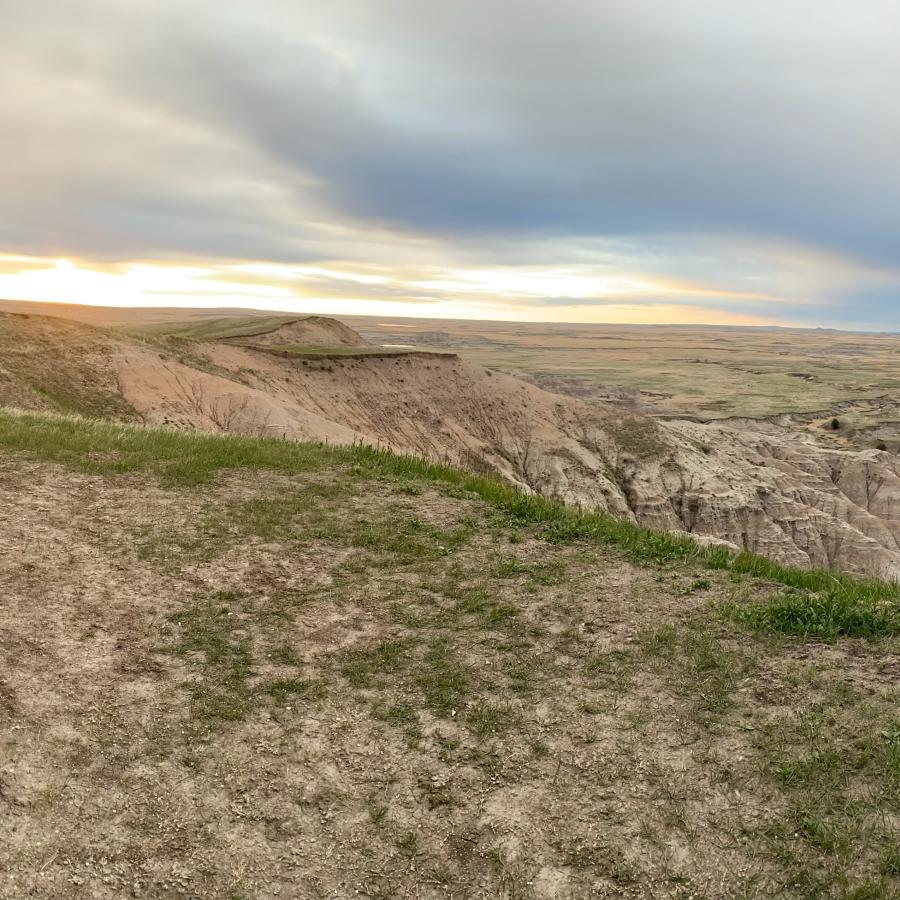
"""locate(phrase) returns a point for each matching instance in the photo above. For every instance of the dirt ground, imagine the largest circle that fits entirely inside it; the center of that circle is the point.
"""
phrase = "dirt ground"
(323, 686)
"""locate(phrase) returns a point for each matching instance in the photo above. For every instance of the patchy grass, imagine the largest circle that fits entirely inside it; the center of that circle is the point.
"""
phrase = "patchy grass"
(444, 678)
(42, 366)
(486, 719)
(212, 630)
(285, 655)
(408, 539)
(541, 573)
(190, 458)
(284, 689)
(838, 766)
(220, 635)
(362, 668)
(640, 436)
(447, 686)
(701, 665)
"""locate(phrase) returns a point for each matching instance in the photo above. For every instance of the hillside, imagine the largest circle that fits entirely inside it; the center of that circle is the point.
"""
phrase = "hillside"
(758, 490)
(130, 317)
(315, 331)
(54, 364)
(254, 668)
(310, 331)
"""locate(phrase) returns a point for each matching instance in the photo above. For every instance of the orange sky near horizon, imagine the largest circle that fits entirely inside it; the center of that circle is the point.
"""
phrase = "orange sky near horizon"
(618, 162)
(575, 293)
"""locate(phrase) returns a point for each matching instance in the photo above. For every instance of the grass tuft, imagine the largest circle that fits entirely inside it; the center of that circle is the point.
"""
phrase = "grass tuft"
(851, 609)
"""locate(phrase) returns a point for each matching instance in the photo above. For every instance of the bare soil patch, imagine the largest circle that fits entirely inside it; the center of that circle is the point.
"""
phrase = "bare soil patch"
(325, 685)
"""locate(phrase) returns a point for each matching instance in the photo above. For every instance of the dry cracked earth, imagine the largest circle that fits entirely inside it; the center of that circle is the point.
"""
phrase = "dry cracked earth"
(334, 685)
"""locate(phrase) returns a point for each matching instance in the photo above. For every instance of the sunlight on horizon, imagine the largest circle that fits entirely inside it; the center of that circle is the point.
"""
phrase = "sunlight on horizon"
(579, 294)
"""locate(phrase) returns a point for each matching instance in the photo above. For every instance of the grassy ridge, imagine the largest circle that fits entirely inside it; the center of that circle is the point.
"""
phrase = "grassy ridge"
(816, 603)
(216, 329)
(314, 351)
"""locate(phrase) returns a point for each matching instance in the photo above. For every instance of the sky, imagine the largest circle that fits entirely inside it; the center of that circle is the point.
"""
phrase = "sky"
(683, 161)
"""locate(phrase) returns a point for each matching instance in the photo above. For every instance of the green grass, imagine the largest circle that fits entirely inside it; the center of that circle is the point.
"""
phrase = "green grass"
(486, 719)
(825, 615)
(285, 655)
(408, 539)
(216, 329)
(699, 665)
(838, 768)
(362, 667)
(541, 573)
(284, 689)
(828, 605)
(444, 678)
(212, 629)
(216, 636)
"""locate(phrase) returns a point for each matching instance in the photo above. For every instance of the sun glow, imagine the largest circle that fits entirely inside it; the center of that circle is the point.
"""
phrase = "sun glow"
(517, 294)
(63, 281)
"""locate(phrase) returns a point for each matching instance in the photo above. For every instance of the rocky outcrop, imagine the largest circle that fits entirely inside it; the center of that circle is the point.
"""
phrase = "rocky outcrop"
(766, 492)
(762, 489)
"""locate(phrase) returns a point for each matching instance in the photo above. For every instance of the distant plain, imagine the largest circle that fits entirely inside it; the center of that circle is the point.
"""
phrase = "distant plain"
(695, 370)
(801, 379)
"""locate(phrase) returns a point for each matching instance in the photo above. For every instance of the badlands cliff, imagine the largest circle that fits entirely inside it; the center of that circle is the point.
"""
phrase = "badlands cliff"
(757, 489)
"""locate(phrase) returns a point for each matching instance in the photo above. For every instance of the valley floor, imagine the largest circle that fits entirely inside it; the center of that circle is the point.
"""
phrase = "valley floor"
(248, 669)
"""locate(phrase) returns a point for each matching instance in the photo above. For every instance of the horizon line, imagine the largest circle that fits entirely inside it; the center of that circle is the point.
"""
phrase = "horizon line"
(257, 311)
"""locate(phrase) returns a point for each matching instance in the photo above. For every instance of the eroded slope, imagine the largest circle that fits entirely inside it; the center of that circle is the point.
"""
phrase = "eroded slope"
(759, 490)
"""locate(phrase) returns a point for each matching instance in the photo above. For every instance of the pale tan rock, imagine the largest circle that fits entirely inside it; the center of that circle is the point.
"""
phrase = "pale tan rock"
(763, 489)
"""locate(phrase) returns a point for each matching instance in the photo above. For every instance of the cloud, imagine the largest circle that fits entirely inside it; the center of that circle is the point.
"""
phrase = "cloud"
(742, 148)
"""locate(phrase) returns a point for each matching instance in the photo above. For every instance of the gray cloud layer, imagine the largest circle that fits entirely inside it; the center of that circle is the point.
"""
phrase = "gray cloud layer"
(280, 130)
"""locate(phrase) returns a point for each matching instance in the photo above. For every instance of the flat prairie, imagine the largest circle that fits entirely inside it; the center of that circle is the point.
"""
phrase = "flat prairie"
(801, 380)
(694, 371)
